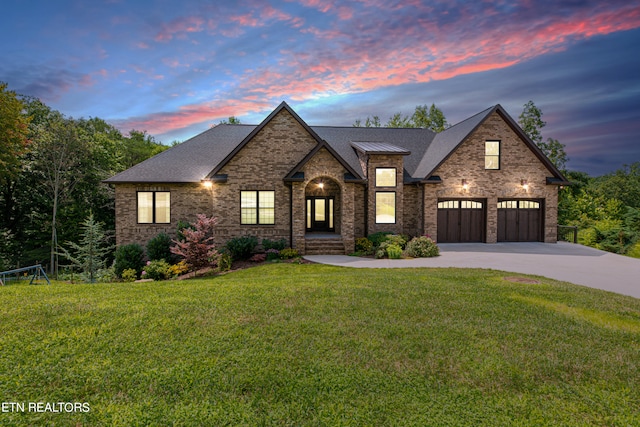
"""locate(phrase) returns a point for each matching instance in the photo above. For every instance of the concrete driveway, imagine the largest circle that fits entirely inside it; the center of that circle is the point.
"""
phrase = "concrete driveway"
(564, 261)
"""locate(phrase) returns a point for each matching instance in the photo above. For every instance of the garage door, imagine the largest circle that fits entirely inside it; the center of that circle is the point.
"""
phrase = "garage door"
(461, 221)
(520, 221)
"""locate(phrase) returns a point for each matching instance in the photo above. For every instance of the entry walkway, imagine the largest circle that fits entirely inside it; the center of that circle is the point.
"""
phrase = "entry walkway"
(564, 261)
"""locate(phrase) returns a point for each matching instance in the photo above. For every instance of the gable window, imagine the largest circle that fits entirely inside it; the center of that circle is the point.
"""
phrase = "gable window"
(492, 155)
(385, 177)
(154, 207)
(257, 207)
(385, 207)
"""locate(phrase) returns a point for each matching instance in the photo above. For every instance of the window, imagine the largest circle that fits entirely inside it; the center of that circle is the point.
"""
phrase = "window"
(527, 204)
(385, 177)
(385, 208)
(492, 155)
(515, 204)
(449, 204)
(257, 207)
(469, 204)
(154, 207)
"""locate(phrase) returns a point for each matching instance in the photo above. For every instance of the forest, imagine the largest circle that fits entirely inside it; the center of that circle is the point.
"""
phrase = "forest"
(52, 168)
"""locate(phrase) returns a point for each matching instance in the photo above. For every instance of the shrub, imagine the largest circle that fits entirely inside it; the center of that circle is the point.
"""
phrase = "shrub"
(422, 247)
(159, 247)
(157, 270)
(241, 247)
(273, 254)
(289, 253)
(258, 258)
(129, 275)
(634, 250)
(198, 248)
(379, 237)
(179, 268)
(129, 257)
(364, 245)
(224, 262)
(274, 244)
(394, 251)
(398, 239)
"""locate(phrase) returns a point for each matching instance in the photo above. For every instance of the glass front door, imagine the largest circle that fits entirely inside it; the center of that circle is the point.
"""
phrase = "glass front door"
(320, 212)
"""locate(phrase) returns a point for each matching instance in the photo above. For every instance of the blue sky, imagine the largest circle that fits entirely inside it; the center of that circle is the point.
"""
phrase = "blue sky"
(174, 68)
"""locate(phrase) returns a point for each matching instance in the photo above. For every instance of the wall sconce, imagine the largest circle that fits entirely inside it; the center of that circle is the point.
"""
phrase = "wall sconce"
(525, 185)
(208, 184)
(465, 185)
(321, 185)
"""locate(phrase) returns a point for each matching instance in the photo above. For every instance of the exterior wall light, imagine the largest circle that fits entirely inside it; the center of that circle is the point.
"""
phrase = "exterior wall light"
(321, 185)
(525, 185)
(207, 183)
(465, 185)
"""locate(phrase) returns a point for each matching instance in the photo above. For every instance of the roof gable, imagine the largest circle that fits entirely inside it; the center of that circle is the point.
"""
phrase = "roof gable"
(313, 152)
(283, 106)
(447, 142)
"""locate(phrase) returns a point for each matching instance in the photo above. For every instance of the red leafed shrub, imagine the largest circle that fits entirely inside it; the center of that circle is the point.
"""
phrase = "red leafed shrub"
(198, 249)
(258, 258)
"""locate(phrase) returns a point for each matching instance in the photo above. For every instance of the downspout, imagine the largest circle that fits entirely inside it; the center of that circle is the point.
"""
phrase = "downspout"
(422, 229)
(291, 215)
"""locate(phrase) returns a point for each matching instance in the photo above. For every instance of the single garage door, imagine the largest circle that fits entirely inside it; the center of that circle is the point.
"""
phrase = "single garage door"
(461, 221)
(520, 221)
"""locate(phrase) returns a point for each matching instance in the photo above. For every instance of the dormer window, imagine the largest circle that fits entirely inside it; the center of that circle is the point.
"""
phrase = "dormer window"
(492, 155)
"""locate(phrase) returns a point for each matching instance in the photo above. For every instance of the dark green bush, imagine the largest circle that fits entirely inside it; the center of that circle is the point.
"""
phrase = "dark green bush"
(241, 247)
(422, 247)
(274, 244)
(379, 237)
(129, 256)
(159, 247)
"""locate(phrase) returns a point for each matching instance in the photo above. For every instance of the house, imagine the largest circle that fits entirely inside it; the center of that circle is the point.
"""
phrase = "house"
(321, 187)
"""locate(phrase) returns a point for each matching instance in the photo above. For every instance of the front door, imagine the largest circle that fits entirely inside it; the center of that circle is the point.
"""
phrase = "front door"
(320, 212)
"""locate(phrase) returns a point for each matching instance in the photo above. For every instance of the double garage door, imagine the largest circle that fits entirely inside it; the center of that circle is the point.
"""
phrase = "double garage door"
(464, 220)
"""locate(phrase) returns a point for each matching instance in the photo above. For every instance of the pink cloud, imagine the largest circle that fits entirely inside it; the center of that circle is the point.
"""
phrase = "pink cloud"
(188, 115)
(179, 27)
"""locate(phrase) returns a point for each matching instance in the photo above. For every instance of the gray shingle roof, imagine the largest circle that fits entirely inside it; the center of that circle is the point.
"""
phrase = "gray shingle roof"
(196, 158)
(190, 161)
(446, 142)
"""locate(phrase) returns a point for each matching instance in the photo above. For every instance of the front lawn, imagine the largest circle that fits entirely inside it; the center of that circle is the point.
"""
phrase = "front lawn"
(288, 344)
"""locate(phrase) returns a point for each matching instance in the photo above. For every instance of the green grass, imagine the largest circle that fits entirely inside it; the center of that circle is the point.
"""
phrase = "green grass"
(316, 345)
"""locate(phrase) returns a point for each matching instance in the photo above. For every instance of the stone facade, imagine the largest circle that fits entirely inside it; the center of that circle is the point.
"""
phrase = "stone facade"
(517, 163)
(283, 143)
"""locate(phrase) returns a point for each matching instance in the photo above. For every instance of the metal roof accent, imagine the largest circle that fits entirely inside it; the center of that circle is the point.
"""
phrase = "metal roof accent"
(379, 148)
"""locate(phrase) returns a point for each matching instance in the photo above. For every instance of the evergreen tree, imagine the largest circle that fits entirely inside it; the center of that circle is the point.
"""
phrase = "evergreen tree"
(89, 255)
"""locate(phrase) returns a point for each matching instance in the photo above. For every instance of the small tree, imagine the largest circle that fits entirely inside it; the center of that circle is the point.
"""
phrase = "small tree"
(198, 248)
(90, 254)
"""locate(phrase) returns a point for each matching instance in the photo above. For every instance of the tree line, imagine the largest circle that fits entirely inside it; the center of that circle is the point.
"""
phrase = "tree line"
(52, 168)
(51, 173)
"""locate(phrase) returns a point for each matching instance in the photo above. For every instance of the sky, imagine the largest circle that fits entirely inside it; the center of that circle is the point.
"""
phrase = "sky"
(175, 68)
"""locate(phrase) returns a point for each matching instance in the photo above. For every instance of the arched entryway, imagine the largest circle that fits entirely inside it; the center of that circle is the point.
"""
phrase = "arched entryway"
(322, 206)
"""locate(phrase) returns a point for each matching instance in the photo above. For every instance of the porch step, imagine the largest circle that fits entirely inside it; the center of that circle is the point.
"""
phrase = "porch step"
(324, 247)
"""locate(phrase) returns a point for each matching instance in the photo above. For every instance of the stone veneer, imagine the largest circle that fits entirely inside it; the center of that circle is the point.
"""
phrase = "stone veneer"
(517, 162)
(283, 143)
